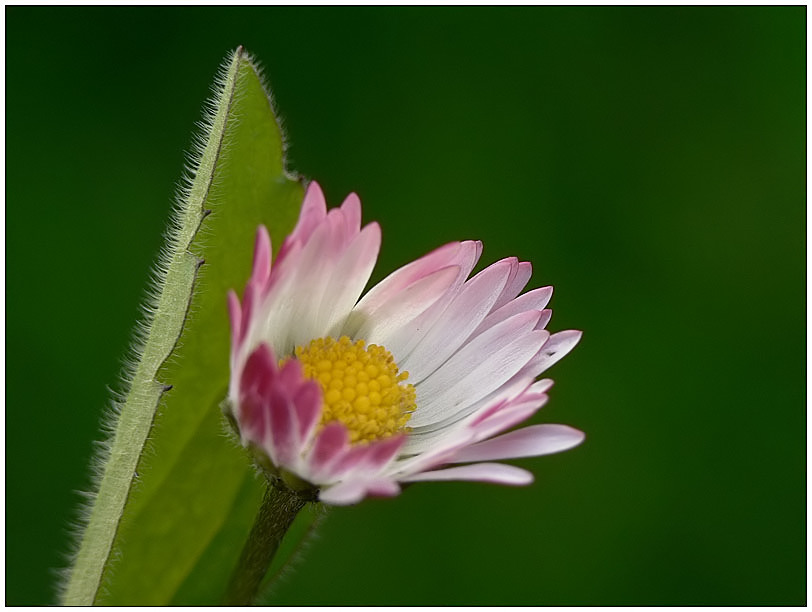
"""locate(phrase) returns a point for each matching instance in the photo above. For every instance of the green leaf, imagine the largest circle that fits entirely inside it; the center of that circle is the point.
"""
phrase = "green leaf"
(177, 497)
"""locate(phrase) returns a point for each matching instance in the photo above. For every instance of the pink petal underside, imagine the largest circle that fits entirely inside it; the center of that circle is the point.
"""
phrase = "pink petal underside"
(546, 315)
(343, 494)
(458, 321)
(290, 375)
(314, 209)
(308, 403)
(510, 405)
(261, 269)
(284, 427)
(383, 451)
(312, 213)
(353, 491)
(235, 318)
(381, 487)
(485, 472)
(355, 457)
(529, 392)
(509, 416)
(352, 212)
(364, 462)
(338, 235)
(491, 416)
(255, 382)
(331, 443)
(434, 452)
(532, 441)
(249, 299)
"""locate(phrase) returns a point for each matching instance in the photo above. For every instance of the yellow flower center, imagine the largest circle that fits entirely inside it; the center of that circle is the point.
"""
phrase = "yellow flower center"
(362, 387)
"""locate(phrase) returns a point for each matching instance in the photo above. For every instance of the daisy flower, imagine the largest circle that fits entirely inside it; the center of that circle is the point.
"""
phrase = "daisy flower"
(346, 398)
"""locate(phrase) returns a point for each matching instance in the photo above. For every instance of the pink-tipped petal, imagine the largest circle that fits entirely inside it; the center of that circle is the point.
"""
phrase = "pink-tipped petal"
(533, 395)
(262, 258)
(352, 212)
(314, 209)
(249, 299)
(343, 493)
(472, 348)
(311, 215)
(532, 441)
(412, 272)
(497, 473)
(509, 416)
(354, 490)
(383, 488)
(235, 318)
(461, 254)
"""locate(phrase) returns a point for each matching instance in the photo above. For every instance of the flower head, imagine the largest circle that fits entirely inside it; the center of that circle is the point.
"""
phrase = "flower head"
(352, 397)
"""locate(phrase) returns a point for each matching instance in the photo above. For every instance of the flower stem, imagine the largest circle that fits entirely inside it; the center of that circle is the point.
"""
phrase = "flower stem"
(276, 514)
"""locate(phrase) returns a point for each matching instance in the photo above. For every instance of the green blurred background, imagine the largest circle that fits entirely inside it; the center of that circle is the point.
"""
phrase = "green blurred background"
(650, 162)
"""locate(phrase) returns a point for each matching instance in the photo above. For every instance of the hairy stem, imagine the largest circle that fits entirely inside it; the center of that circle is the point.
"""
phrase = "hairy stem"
(276, 514)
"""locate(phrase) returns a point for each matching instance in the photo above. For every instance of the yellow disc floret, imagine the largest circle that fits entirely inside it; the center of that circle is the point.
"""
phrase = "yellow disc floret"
(362, 387)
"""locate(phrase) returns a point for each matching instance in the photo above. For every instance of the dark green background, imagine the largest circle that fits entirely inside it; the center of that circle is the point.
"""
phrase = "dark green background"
(650, 162)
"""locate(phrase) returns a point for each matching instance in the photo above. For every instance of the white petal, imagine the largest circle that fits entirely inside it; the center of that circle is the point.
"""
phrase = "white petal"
(486, 472)
(510, 416)
(478, 369)
(349, 278)
(556, 348)
(457, 323)
(530, 441)
(518, 279)
(436, 439)
(479, 350)
(504, 394)
(454, 254)
(402, 342)
(396, 315)
(536, 299)
(286, 318)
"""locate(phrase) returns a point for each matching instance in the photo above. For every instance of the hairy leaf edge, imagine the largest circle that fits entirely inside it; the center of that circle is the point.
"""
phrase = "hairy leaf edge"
(80, 583)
